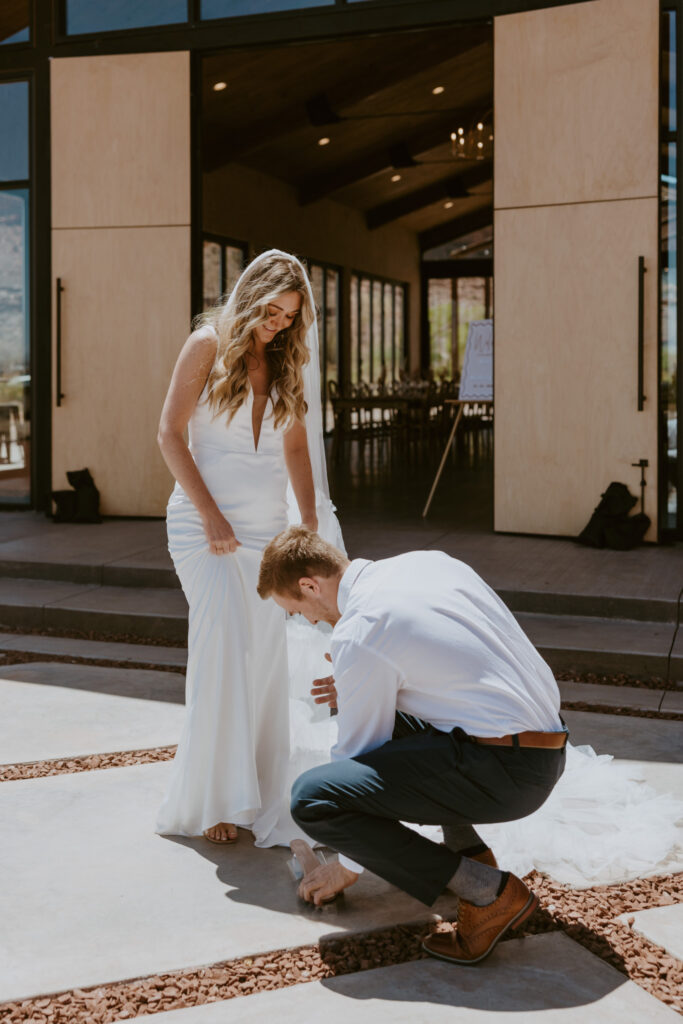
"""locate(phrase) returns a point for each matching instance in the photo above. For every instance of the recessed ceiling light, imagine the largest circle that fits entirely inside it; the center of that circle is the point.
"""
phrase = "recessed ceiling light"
(448, 205)
(461, 131)
(395, 177)
(453, 136)
(219, 86)
(437, 90)
(480, 127)
(324, 141)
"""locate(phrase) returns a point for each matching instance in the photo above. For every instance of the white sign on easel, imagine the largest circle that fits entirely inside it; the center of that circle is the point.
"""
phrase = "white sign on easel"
(476, 383)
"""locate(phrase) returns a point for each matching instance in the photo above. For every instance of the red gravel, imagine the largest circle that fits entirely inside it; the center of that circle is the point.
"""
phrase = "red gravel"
(69, 765)
(586, 916)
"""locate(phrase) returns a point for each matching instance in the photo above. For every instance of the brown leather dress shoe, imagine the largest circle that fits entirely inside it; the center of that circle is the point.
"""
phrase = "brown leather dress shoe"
(480, 928)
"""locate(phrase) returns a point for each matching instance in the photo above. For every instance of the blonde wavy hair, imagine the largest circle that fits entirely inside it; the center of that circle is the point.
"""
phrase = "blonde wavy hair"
(234, 320)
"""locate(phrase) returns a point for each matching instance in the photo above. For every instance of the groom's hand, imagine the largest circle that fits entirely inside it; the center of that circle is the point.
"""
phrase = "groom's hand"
(326, 882)
(323, 691)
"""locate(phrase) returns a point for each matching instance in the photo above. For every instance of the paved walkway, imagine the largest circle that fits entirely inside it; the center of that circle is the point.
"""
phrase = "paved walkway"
(97, 896)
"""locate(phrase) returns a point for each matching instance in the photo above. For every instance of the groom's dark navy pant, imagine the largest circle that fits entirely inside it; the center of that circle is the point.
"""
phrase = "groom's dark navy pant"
(423, 776)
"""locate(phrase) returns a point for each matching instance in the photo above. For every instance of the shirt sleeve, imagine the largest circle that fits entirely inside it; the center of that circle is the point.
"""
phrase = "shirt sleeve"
(367, 687)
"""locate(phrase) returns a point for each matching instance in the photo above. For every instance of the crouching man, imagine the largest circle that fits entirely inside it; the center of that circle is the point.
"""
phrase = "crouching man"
(422, 643)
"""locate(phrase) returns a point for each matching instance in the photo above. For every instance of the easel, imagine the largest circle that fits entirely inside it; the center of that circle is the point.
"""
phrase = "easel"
(476, 385)
(461, 403)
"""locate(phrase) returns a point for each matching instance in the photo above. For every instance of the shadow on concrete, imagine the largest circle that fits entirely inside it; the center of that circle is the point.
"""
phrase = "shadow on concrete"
(143, 684)
(541, 972)
(261, 878)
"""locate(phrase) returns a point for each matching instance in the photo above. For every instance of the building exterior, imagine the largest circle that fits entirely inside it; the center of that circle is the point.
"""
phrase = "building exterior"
(128, 196)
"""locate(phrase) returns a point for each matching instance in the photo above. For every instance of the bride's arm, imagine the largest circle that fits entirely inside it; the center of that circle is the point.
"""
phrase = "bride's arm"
(189, 376)
(300, 474)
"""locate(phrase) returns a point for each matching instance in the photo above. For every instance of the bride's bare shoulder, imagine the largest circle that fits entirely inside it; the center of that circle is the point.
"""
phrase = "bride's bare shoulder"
(201, 345)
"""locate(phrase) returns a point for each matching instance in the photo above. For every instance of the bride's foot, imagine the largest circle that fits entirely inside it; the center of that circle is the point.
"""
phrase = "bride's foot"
(224, 832)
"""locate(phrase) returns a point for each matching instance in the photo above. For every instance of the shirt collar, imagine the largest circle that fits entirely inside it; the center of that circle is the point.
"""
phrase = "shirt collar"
(348, 580)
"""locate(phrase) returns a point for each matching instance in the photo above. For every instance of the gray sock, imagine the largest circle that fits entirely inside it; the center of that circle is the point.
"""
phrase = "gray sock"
(477, 883)
(461, 837)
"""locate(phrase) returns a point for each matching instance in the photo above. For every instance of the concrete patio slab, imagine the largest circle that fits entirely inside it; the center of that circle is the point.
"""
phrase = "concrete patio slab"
(96, 896)
(661, 925)
(547, 976)
(42, 720)
(150, 654)
(626, 736)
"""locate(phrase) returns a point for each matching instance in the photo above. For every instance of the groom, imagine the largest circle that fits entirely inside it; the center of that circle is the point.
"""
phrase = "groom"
(447, 715)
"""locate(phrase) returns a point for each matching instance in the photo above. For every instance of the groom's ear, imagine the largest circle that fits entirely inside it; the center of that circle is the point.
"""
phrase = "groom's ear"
(309, 586)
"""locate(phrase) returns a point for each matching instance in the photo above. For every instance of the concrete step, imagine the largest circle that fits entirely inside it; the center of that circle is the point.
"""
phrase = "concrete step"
(102, 650)
(569, 643)
(573, 643)
(147, 612)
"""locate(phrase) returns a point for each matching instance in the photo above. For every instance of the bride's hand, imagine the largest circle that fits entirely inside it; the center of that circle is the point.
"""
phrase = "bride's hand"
(311, 523)
(219, 534)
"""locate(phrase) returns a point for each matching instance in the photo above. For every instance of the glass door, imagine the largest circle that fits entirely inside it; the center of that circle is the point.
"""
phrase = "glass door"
(15, 344)
(671, 475)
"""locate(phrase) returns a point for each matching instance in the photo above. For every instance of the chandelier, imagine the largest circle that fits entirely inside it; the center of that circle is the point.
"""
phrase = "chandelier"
(473, 143)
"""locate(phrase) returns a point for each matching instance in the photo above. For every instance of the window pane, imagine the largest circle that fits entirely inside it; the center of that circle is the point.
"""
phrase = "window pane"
(332, 339)
(364, 370)
(234, 265)
(114, 15)
(440, 327)
(388, 331)
(14, 22)
(15, 379)
(399, 340)
(471, 292)
(378, 362)
(353, 369)
(231, 8)
(14, 131)
(212, 274)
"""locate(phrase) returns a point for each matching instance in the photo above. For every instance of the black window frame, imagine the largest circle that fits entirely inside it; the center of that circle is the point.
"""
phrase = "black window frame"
(322, 330)
(223, 241)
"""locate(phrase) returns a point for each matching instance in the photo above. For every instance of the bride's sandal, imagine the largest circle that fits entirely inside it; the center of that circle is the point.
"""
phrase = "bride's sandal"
(231, 837)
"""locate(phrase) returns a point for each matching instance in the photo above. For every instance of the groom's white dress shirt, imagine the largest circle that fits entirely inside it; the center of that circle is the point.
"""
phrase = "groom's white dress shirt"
(422, 633)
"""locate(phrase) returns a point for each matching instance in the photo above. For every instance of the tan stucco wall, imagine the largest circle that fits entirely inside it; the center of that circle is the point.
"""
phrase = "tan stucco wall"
(576, 174)
(264, 211)
(121, 245)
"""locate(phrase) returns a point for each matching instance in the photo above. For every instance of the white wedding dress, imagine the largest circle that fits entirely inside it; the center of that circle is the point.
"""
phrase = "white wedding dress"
(233, 761)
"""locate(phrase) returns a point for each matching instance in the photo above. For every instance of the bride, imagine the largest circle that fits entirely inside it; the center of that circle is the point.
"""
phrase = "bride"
(247, 387)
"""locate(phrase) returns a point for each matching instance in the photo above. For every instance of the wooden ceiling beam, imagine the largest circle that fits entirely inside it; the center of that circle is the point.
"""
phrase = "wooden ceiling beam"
(455, 228)
(399, 154)
(454, 187)
(354, 89)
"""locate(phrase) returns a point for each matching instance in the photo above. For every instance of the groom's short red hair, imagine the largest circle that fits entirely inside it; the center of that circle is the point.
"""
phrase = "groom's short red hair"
(294, 553)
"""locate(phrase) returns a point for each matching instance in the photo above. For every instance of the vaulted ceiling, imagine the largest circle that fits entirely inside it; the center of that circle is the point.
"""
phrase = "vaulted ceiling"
(373, 98)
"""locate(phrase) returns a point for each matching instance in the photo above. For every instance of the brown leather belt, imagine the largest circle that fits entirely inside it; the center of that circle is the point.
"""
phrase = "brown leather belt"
(555, 740)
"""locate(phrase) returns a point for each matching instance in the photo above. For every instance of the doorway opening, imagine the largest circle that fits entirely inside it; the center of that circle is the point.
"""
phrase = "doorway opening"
(371, 159)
